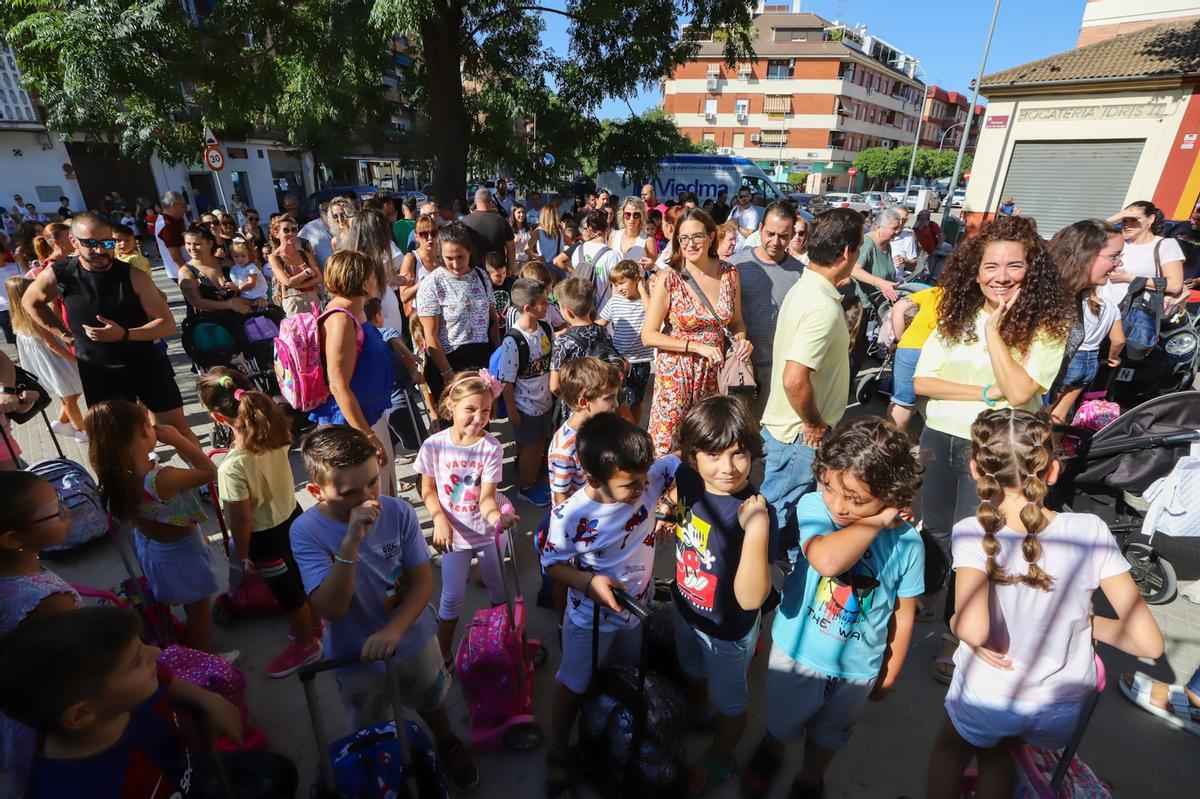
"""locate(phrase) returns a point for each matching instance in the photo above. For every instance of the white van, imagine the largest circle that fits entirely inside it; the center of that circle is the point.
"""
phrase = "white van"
(703, 174)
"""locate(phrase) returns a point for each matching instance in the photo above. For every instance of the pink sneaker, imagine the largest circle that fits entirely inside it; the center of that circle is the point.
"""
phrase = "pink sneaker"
(318, 631)
(292, 658)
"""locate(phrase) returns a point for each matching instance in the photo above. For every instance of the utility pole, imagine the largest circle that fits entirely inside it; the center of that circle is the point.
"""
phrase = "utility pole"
(912, 162)
(962, 146)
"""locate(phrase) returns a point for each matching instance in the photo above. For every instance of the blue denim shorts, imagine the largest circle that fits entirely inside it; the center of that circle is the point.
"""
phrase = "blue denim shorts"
(1081, 371)
(180, 572)
(787, 476)
(903, 367)
(722, 663)
(634, 390)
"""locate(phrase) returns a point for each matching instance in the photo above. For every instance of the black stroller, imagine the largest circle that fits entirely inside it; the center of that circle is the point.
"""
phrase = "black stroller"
(1135, 449)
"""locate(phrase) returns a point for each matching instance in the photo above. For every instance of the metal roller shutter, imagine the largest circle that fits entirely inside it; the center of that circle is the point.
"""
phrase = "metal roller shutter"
(1060, 182)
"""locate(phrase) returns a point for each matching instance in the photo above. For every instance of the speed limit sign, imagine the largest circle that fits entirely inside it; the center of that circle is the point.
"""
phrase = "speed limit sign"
(213, 159)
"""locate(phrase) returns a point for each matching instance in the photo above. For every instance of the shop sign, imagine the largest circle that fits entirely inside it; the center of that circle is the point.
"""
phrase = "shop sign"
(996, 121)
(1073, 113)
(1189, 142)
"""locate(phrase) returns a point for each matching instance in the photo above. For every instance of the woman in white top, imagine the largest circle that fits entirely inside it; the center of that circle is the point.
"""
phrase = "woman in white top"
(419, 263)
(371, 234)
(339, 216)
(546, 242)
(522, 231)
(633, 240)
(1141, 223)
(669, 221)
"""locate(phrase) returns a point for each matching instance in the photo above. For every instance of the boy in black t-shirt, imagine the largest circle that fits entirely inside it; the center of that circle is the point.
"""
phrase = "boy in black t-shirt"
(722, 573)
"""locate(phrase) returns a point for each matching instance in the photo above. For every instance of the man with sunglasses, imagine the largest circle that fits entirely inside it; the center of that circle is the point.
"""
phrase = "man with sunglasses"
(114, 315)
(745, 214)
(168, 232)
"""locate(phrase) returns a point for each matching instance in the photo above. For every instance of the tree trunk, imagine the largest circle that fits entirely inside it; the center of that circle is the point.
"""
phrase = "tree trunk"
(448, 123)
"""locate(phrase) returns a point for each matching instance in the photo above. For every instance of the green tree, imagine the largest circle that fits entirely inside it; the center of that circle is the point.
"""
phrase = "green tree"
(142, 74)
(874, 163)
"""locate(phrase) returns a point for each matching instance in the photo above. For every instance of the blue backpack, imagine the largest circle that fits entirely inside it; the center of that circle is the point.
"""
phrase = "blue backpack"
(522, 359)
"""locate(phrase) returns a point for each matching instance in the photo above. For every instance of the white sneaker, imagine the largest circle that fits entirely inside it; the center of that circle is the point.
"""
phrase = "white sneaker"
(80, 436)
(62, 428)
(231, 657)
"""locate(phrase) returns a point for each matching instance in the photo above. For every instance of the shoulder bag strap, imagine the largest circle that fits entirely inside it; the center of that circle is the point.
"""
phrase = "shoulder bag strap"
(1157, 258)
(688, 279)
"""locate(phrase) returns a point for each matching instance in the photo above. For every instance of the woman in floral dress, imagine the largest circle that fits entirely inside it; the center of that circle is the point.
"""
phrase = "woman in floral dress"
(692, 345)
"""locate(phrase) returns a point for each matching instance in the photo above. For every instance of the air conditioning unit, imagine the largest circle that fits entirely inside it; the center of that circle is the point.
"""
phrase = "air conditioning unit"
(755, 138)
(742, 116)
(714, 82)
(710, 117)
(724, 151)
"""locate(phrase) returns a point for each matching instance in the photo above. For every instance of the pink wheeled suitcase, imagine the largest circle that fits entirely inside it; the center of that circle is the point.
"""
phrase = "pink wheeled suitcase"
(495, 664)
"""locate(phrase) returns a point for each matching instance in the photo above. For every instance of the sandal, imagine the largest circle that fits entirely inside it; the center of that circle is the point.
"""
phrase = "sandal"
(558, 788)
(943, 665)
(1181, 714)
(760, 772)
(714, 777)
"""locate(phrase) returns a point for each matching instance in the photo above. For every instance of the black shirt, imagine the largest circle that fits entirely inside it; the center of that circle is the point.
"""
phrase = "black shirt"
(1189, 241)
(708, 551)
(503, 294)
(109, 294)
(720, 212)
(490, 232)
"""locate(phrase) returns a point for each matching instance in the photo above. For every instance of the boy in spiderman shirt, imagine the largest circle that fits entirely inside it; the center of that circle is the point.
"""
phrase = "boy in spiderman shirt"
(608, 529)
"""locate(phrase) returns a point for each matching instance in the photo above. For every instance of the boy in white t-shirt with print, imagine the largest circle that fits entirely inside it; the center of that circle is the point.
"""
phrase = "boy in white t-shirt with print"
(607, 532)
(527, 385)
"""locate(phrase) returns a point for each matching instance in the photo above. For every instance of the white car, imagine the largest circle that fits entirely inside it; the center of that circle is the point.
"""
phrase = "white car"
(846, 200)
(959, 196)
(878, 200)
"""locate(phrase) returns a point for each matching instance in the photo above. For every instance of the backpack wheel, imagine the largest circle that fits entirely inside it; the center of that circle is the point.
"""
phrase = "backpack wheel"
(220, 611)
(523, 737)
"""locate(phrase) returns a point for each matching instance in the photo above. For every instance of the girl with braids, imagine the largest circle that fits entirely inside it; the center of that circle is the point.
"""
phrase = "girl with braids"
(255, 484)
(1026, 577)
(1002, 326)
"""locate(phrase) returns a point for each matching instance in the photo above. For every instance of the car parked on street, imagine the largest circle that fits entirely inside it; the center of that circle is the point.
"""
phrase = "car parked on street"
(809, 202)
(920, 198)
(878, 200)
(957, 200)
(848, 200)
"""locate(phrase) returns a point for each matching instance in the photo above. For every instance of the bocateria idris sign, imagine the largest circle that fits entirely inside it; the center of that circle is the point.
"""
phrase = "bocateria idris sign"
(1071, 113)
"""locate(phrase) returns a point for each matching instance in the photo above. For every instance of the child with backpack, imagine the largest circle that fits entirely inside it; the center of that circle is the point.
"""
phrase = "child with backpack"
(162, 504)
(254, 481)
(460, 470)
(32, 518)
(537, 270)
(625, 312)
(1025, 577)
(523, 366)
(600, 539)
(722, 572)
(845, 620)
(593, 259)
(582, 336)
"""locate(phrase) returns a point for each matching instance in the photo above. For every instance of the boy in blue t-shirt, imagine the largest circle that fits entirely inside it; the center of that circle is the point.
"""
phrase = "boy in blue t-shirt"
(365, 567)
(601, 538)
(846, 617)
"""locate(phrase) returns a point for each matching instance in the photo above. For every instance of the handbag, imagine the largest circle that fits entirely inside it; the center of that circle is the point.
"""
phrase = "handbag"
(28, 382)
(1142, 311)
(735, 377)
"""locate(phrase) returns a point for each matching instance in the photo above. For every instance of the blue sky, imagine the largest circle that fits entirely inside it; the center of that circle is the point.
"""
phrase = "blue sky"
(946, 36)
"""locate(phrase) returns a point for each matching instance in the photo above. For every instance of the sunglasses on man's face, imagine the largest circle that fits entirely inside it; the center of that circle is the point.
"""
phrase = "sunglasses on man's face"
(252, 219)
(96, 244)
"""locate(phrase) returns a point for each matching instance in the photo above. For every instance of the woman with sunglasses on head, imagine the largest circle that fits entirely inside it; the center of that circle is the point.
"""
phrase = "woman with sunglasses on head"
(698, 296)
(420, 262)
(294, 271)
(632, 239)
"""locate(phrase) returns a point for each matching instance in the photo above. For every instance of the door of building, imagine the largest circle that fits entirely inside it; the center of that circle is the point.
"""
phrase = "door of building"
(101, 169)
(1060, 182)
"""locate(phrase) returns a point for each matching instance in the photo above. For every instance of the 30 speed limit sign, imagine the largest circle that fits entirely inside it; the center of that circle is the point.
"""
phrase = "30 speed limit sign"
(213, 159)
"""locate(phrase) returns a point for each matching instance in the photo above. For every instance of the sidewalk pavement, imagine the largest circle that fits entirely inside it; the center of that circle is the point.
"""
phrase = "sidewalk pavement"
(1142, 757)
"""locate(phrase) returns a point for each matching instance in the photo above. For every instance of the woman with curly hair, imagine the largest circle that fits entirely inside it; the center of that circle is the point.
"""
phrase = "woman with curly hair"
(1002, 327)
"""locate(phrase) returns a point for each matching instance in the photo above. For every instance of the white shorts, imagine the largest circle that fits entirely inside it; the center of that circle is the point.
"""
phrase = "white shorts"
(423, 683)
(618, 646)
(984, 721)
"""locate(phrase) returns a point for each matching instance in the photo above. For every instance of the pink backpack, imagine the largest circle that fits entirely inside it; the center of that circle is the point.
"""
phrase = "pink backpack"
(299, 367)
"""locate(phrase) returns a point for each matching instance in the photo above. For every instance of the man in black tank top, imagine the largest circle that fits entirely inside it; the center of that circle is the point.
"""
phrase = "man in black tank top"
(114, 316)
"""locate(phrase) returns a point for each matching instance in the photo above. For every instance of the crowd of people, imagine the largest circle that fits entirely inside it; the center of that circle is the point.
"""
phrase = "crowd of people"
(744, 324)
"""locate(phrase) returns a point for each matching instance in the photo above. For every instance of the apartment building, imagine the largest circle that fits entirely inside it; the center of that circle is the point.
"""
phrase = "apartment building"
(1104, 19)
(816, 94)
(945, 118)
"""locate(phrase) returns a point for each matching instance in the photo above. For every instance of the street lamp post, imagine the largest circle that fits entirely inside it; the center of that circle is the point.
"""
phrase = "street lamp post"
(962, 146)
(912, 162)
(942, 138)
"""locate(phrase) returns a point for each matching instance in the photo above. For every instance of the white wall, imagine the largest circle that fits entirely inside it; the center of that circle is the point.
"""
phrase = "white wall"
(21, 174)
(1111, 12)
(1158, 127)
(257, 169)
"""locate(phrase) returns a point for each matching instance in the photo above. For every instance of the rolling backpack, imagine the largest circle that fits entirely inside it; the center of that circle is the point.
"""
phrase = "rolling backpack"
(299, 367)
(79, 493)
(522, 359)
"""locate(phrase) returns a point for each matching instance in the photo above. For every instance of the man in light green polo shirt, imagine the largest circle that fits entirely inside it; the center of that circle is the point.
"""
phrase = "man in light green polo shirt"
(810, 376)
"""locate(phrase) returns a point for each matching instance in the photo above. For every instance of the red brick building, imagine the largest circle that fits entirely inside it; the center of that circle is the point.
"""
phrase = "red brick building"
(945, 118)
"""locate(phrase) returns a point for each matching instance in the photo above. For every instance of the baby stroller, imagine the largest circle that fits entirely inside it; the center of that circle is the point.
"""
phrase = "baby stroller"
(245, 342)
(881, 341)
(1135, 449)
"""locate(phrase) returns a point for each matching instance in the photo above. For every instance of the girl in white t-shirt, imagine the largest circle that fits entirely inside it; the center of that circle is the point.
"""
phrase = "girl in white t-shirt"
(521, 229)
(460, 469)
(1023, 598)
